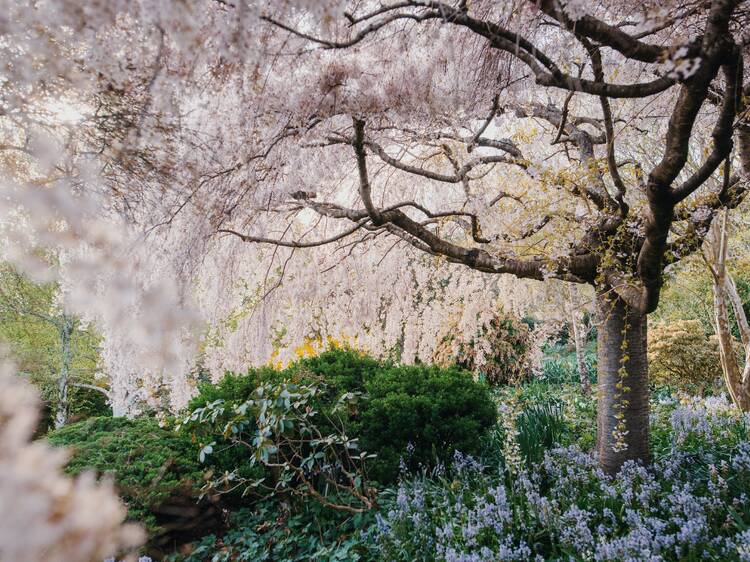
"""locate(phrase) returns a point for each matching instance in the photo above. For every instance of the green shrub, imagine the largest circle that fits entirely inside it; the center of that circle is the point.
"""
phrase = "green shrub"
(232, 387)
(508, 340)
(436, 410)
(341, 369)
(335, 372)
(150, 464)
(681, 355)
(299, 451)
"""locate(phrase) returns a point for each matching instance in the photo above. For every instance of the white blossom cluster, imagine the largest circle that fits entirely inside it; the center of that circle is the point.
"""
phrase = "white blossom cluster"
(47, 516)
(575, 9)
(651, 18)
(231, 116)
(681, 67)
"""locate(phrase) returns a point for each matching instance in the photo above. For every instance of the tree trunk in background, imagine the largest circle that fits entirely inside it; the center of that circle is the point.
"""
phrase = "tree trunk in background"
(573, 308)
(622, 390)
(580, 342)
(119, 401)
(724, 289)
(744, 327)
(732, 376)
(739, 311)
(63, 379)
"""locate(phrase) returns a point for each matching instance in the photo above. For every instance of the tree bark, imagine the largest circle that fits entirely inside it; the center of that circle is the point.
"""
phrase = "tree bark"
(739, 312)
(744, 327)
(622, 390)
(573, 308)
(119, 403)
(63, 379)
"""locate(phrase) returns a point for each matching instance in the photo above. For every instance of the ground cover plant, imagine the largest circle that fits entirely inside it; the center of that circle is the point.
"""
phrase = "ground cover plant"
(691, 504)
(155, 471)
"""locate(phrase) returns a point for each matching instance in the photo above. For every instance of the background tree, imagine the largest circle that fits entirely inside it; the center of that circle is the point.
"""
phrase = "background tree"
(726, 297)
(575, 308)
(53, 348)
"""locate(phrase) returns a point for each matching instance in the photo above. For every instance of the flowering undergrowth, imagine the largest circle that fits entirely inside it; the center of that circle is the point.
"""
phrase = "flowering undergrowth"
(535, 493)
(691, 504)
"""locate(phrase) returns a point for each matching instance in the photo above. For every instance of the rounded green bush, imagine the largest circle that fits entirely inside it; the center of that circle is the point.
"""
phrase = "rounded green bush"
(421, 414)
(341, 369)
(233, 387)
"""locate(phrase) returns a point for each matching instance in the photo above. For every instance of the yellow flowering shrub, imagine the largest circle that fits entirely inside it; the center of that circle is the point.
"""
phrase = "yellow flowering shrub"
(683, 356)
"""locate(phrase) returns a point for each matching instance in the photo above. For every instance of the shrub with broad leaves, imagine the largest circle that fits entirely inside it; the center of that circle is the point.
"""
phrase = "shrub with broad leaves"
(278, 426)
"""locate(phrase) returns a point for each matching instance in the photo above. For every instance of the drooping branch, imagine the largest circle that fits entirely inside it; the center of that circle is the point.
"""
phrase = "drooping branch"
(605, 34)
(700, 217)
(597, 192)
(722, 132)
(546, 72)
(640, 278)
(295, 243)
(93, 387)
(359, 36)
(460, 175)
(609, 130)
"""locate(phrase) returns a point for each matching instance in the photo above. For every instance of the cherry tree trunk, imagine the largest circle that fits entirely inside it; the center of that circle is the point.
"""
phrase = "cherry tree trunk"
(622, 390)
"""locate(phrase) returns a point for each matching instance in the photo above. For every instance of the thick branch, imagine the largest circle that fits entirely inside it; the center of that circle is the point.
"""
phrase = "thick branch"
(644, 296)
